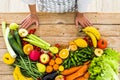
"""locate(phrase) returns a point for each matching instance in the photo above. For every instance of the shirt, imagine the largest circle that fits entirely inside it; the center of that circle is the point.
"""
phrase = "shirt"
(60, 6)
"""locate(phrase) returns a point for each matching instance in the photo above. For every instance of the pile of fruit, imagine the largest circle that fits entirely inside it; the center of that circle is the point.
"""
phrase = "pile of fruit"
(85, 58)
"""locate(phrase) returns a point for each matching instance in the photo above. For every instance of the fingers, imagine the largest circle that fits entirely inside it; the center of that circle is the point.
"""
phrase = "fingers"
(29, 20)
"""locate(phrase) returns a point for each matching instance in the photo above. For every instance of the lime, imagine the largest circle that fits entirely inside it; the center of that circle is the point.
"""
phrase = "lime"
(54, 50)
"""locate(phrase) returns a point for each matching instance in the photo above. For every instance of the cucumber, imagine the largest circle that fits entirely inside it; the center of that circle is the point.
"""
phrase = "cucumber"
(14, 45)
(17, 38)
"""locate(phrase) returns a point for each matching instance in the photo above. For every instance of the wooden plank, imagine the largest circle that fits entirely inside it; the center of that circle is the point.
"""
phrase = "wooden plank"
(63, 18)
(5, 69)
(6, 77)
(112, 41)
(72, 31)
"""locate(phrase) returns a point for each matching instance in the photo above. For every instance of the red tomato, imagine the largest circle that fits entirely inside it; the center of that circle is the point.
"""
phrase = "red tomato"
(57, 45)
(102, 43)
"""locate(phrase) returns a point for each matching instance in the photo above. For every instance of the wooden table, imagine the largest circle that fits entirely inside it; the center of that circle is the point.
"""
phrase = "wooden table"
(60, 28)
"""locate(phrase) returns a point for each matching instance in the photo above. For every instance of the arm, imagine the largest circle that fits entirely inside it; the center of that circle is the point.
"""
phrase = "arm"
(80, 17)
(32, 18)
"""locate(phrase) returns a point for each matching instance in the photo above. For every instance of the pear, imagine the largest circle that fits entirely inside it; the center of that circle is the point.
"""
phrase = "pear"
(41, 67)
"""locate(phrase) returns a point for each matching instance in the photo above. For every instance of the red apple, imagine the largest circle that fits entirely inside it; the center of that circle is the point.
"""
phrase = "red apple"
(34, 55)
(44, 58)
(60, 77)
(102, 44)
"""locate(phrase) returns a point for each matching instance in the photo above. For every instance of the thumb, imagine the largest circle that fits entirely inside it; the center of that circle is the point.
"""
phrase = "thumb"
(76, 23)
(37, 24)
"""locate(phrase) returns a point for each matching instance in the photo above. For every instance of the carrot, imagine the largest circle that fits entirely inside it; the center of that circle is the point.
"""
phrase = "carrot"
(80, 78)
(52, 62)
(55, 67)
(58, 61)
(87, 63)
(86, 75)
(78, 73)
(70, 70)
(49, 69)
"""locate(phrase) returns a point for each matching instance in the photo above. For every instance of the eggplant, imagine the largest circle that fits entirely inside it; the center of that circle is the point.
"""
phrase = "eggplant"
(50, 76)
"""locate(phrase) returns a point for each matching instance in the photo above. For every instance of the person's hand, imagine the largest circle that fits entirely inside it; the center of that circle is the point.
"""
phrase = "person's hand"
(29, 20)
(82, 20)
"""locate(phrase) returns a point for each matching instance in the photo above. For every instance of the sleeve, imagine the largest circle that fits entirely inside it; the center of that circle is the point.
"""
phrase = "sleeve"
(86, 5)
(30, 1)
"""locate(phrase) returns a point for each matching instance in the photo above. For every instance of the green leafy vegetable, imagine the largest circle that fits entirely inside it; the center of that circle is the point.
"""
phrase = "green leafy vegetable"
(106, 66)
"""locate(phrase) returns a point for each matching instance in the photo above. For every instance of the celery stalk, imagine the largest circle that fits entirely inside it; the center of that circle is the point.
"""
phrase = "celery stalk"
(39, 39)
(5, 31)
(36, 43)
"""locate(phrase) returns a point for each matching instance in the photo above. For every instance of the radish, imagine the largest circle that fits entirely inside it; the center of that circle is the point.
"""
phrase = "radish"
(34, 55)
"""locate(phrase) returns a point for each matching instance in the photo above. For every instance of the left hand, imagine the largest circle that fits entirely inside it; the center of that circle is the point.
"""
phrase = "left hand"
(82, 20)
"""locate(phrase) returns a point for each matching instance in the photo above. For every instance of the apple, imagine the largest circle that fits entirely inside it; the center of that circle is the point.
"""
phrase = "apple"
(41, 67)
(34, 55)
(14, 26)
(102, 44)
(23, 32)
(44, 58)
(98, 52)
(60, 77)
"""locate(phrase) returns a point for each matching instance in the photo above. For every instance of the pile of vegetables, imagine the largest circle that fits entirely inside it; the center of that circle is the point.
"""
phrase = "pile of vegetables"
(86, 58)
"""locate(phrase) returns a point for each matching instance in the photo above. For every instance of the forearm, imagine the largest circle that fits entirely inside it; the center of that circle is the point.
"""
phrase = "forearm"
(32, 9)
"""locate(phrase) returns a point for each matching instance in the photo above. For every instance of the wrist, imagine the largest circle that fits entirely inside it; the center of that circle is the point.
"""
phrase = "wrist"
(32, 9)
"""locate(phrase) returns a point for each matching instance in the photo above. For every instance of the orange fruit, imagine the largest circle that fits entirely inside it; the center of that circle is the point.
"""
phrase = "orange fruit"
(27, 48)
(55, 67)
(49, 69)
(64, 53)
(58, 61)
(52, 62)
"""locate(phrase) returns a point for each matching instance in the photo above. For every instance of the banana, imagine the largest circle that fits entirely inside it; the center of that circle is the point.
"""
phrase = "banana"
(94, 31)
(94, 40)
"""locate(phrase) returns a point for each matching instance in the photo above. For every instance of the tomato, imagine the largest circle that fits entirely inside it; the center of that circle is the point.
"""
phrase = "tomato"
(102, 43)
(57, 45)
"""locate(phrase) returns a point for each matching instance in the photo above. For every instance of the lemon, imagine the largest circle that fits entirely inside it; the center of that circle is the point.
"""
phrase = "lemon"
(64, 53)
(61, 68)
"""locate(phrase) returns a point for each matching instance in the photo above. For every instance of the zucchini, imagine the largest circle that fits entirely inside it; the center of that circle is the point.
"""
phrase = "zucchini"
(17, 38)
(14, 45)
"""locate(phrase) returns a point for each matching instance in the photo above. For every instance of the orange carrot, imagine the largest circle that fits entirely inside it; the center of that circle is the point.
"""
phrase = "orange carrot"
(87, 63)
(80, 78)
(78, 73)
(86, 75)
(70, 70)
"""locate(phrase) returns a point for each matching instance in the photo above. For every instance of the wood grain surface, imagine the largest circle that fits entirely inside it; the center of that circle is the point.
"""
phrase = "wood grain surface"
(60, 28)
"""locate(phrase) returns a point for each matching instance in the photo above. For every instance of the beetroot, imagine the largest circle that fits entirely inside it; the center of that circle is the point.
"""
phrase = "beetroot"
(34, 55)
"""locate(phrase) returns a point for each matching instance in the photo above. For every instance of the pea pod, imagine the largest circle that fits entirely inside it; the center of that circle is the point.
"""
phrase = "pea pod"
(73, 61)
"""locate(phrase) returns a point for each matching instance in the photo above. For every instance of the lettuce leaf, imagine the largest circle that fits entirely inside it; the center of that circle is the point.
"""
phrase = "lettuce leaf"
(106, 66)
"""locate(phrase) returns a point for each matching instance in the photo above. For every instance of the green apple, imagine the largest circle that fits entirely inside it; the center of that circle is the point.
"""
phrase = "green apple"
(41, 67)
(23, 32)
(14, 26)
(98, 52)
(54, 50)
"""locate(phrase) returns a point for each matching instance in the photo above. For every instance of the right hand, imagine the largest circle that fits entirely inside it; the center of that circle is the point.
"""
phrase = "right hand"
(29, 20)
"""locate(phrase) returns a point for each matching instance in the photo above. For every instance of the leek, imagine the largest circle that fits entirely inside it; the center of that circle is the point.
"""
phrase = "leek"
(5, 31)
